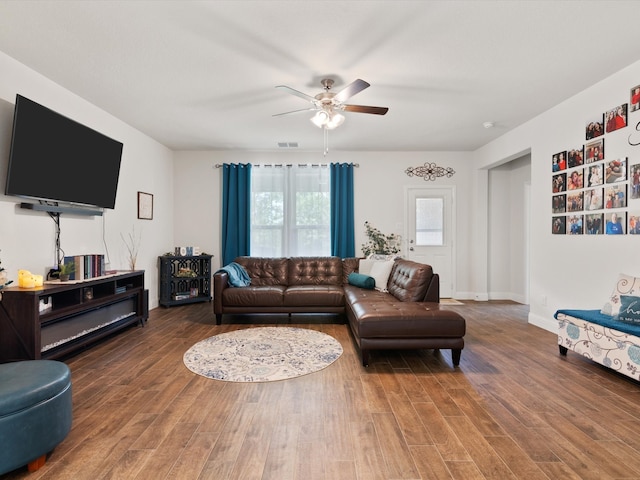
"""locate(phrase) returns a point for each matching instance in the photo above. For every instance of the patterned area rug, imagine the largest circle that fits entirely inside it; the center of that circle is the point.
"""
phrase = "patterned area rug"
(262, 354)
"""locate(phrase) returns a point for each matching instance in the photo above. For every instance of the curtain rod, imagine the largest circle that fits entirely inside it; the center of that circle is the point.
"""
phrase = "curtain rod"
(356, 165)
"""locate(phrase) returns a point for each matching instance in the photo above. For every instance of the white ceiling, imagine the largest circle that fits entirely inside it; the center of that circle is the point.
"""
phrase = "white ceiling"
(201, 75)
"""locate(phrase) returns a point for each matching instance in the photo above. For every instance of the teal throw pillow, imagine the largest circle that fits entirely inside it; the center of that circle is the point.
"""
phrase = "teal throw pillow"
(362, 281)
(629, 309)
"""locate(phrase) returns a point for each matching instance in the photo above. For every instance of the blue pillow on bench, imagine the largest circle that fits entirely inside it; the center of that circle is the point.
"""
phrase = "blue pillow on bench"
(629, 309)
(362, 281)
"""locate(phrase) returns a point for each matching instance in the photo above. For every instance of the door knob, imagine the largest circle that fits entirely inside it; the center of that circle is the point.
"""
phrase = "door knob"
(411, 249)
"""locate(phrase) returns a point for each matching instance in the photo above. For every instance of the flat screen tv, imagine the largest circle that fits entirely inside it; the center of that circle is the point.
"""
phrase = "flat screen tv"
(54, 158)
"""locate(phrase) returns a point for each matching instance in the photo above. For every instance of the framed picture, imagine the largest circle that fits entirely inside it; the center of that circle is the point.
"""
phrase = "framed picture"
(594, 224)
(558, 225)
(559, 183)
(576, 157)
(615, 196)
(594, 151)
(594, 127)
(559, 161)
(616, 223)
(635, 98)
(616, 118)
(575, 225)
(576, 179)
(575, 202)
(593, 199)
(634, 223)
(616, 171)
(634, 176)
(595, 175)
(559, 204)
(145, 206)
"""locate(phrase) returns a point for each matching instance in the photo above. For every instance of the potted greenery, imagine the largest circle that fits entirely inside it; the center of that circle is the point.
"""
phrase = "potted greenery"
(379, 243)
(65, 270)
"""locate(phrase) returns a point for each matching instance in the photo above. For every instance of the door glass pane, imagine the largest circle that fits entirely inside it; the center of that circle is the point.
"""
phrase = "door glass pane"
(429, 221)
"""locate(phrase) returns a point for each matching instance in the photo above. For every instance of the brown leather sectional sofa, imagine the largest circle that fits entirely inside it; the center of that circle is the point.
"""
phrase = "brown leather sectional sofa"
(408, 316)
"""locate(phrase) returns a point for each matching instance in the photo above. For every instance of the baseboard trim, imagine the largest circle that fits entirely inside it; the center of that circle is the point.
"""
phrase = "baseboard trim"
(549, 324)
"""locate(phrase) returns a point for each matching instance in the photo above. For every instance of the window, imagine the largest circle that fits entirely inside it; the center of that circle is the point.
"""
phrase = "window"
(429, 221)
(290, 211)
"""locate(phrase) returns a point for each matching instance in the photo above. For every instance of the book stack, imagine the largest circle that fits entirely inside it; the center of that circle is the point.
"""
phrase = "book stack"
(86, 266)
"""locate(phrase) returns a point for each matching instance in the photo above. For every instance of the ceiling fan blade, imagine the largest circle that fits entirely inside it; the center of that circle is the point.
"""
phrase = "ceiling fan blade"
(295, 92)
(350, 90)
(294, 111)
(365, 109)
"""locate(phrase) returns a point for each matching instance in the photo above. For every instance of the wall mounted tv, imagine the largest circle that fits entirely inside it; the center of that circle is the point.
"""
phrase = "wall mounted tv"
(56, 159)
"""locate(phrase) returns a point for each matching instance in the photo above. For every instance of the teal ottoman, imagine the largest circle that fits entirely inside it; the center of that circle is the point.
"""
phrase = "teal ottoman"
(35, 411)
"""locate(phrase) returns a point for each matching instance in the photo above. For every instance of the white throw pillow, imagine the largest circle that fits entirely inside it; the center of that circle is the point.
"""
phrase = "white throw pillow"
(364, 266)
(380, 271)
(626, 285)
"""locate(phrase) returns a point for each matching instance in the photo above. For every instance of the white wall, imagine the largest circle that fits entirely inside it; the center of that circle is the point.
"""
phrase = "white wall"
(568, 271)
(27, 238)
(379, 184)
(507, 254)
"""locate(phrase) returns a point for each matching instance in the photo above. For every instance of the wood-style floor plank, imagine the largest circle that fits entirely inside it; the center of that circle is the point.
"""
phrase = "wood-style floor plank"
(514, 409)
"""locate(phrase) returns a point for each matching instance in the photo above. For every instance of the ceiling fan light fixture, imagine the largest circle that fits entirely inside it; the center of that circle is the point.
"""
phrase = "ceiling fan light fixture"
(320, 118)
(336, 120)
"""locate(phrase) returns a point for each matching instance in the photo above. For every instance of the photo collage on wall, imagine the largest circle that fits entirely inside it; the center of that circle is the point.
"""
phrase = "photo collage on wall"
(593, 193)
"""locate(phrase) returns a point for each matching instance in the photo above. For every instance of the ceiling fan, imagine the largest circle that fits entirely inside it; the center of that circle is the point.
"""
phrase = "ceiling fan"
(328, 104)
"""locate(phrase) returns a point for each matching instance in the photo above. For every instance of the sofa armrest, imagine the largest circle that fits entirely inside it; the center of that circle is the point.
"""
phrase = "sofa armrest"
(433, 290)
(220, 282)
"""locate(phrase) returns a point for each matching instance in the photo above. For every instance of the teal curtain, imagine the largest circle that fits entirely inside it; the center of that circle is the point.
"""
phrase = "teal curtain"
(343, 243)
(236, 211)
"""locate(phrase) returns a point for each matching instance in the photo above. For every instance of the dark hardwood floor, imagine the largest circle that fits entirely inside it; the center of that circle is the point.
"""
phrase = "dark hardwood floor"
(514, 409)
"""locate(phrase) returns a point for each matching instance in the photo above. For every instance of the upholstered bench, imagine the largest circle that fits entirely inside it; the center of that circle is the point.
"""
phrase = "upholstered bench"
(35, 411)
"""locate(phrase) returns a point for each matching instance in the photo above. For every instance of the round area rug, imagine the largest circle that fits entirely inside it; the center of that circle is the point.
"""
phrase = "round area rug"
(262, 354)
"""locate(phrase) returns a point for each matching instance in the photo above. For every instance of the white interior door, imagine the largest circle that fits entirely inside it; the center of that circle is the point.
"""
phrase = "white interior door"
(430, 234)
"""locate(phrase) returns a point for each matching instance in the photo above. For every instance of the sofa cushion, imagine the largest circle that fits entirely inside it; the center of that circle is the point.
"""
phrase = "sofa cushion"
(409, 280)
(265, 271)
(314, 296)
(349, 265)
(395, 319)
(252, 296)
(315, 271)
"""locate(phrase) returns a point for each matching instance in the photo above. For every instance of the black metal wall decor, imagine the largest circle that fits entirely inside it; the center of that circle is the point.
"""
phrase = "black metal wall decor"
(430, 171)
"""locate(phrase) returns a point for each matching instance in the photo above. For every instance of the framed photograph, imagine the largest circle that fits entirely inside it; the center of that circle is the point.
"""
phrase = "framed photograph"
(615, 171)
(575, 157)
(575, 225)
(615, 196)
(559, 225)
(593, 199)
(575, 202)
(595, 175)
(634, 223)
(635, 98)
(559, 183)
(616, 223)
(594, 127)
(593, 224)
(616, 118)
(575, 179)
(145, 206)
(594, 151)
(634, 176)
(559, 161)
(559, 204)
